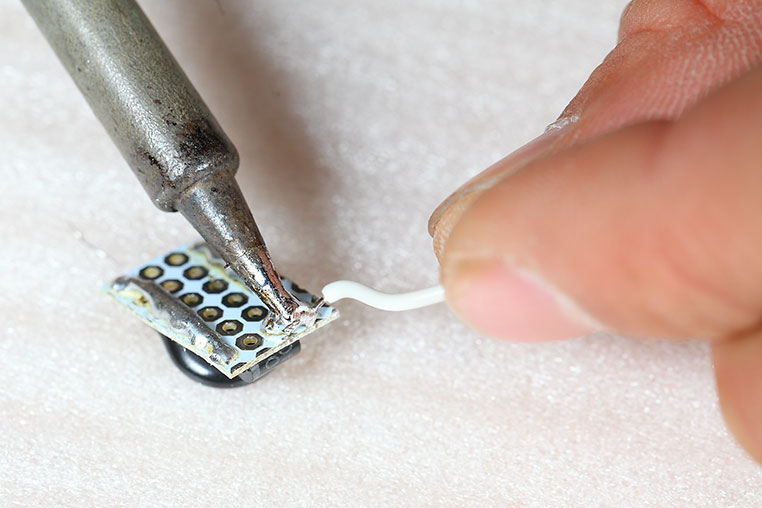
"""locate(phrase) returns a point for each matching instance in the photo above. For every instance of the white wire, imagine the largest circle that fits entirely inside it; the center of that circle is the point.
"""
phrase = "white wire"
(341, 289)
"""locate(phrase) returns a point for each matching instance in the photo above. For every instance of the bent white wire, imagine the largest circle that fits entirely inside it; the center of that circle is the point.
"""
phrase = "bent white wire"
(341, 289)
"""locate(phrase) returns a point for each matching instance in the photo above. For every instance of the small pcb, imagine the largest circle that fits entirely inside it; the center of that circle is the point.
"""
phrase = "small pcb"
(190, 297)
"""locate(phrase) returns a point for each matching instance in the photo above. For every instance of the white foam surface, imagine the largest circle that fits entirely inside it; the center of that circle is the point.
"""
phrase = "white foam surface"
(353, 120)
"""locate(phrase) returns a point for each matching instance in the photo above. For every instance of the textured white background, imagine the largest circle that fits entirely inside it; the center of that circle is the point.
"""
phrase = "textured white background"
(353, 119)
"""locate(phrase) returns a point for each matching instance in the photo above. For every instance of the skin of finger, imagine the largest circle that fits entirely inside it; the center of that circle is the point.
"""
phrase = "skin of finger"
(652, 230)
(671, 53)
(485, 179)
(738, 370)
(447, 214)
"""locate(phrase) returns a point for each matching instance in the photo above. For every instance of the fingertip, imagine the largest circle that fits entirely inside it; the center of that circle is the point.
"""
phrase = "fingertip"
(738, 370)
(447, 220)
(447, 214)
(504, 302)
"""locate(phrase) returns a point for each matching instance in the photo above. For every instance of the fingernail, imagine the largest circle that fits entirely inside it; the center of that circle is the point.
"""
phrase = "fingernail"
(452, 207)
(501, 301)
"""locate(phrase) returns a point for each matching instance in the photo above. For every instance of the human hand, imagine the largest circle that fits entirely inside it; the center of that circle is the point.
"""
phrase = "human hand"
(640, 211)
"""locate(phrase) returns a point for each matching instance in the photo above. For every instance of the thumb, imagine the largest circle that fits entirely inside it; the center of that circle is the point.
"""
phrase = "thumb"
(654, 229)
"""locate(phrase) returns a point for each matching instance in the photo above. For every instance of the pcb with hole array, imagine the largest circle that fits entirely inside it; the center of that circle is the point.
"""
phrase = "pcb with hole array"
(189, 296)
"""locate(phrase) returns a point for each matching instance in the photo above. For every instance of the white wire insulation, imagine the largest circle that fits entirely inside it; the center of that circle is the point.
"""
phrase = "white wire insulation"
(341, 289)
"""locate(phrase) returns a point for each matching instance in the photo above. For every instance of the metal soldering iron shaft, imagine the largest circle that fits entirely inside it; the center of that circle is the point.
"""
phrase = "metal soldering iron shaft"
(164, 130)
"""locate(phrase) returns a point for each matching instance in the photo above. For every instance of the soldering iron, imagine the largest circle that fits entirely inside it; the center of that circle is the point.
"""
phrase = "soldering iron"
(221, 307)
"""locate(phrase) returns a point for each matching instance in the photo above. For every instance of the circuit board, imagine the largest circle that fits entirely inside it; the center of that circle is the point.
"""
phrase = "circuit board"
(190, 297)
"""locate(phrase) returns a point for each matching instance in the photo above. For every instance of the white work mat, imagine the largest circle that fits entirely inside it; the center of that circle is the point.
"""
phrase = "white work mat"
(353, 121)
